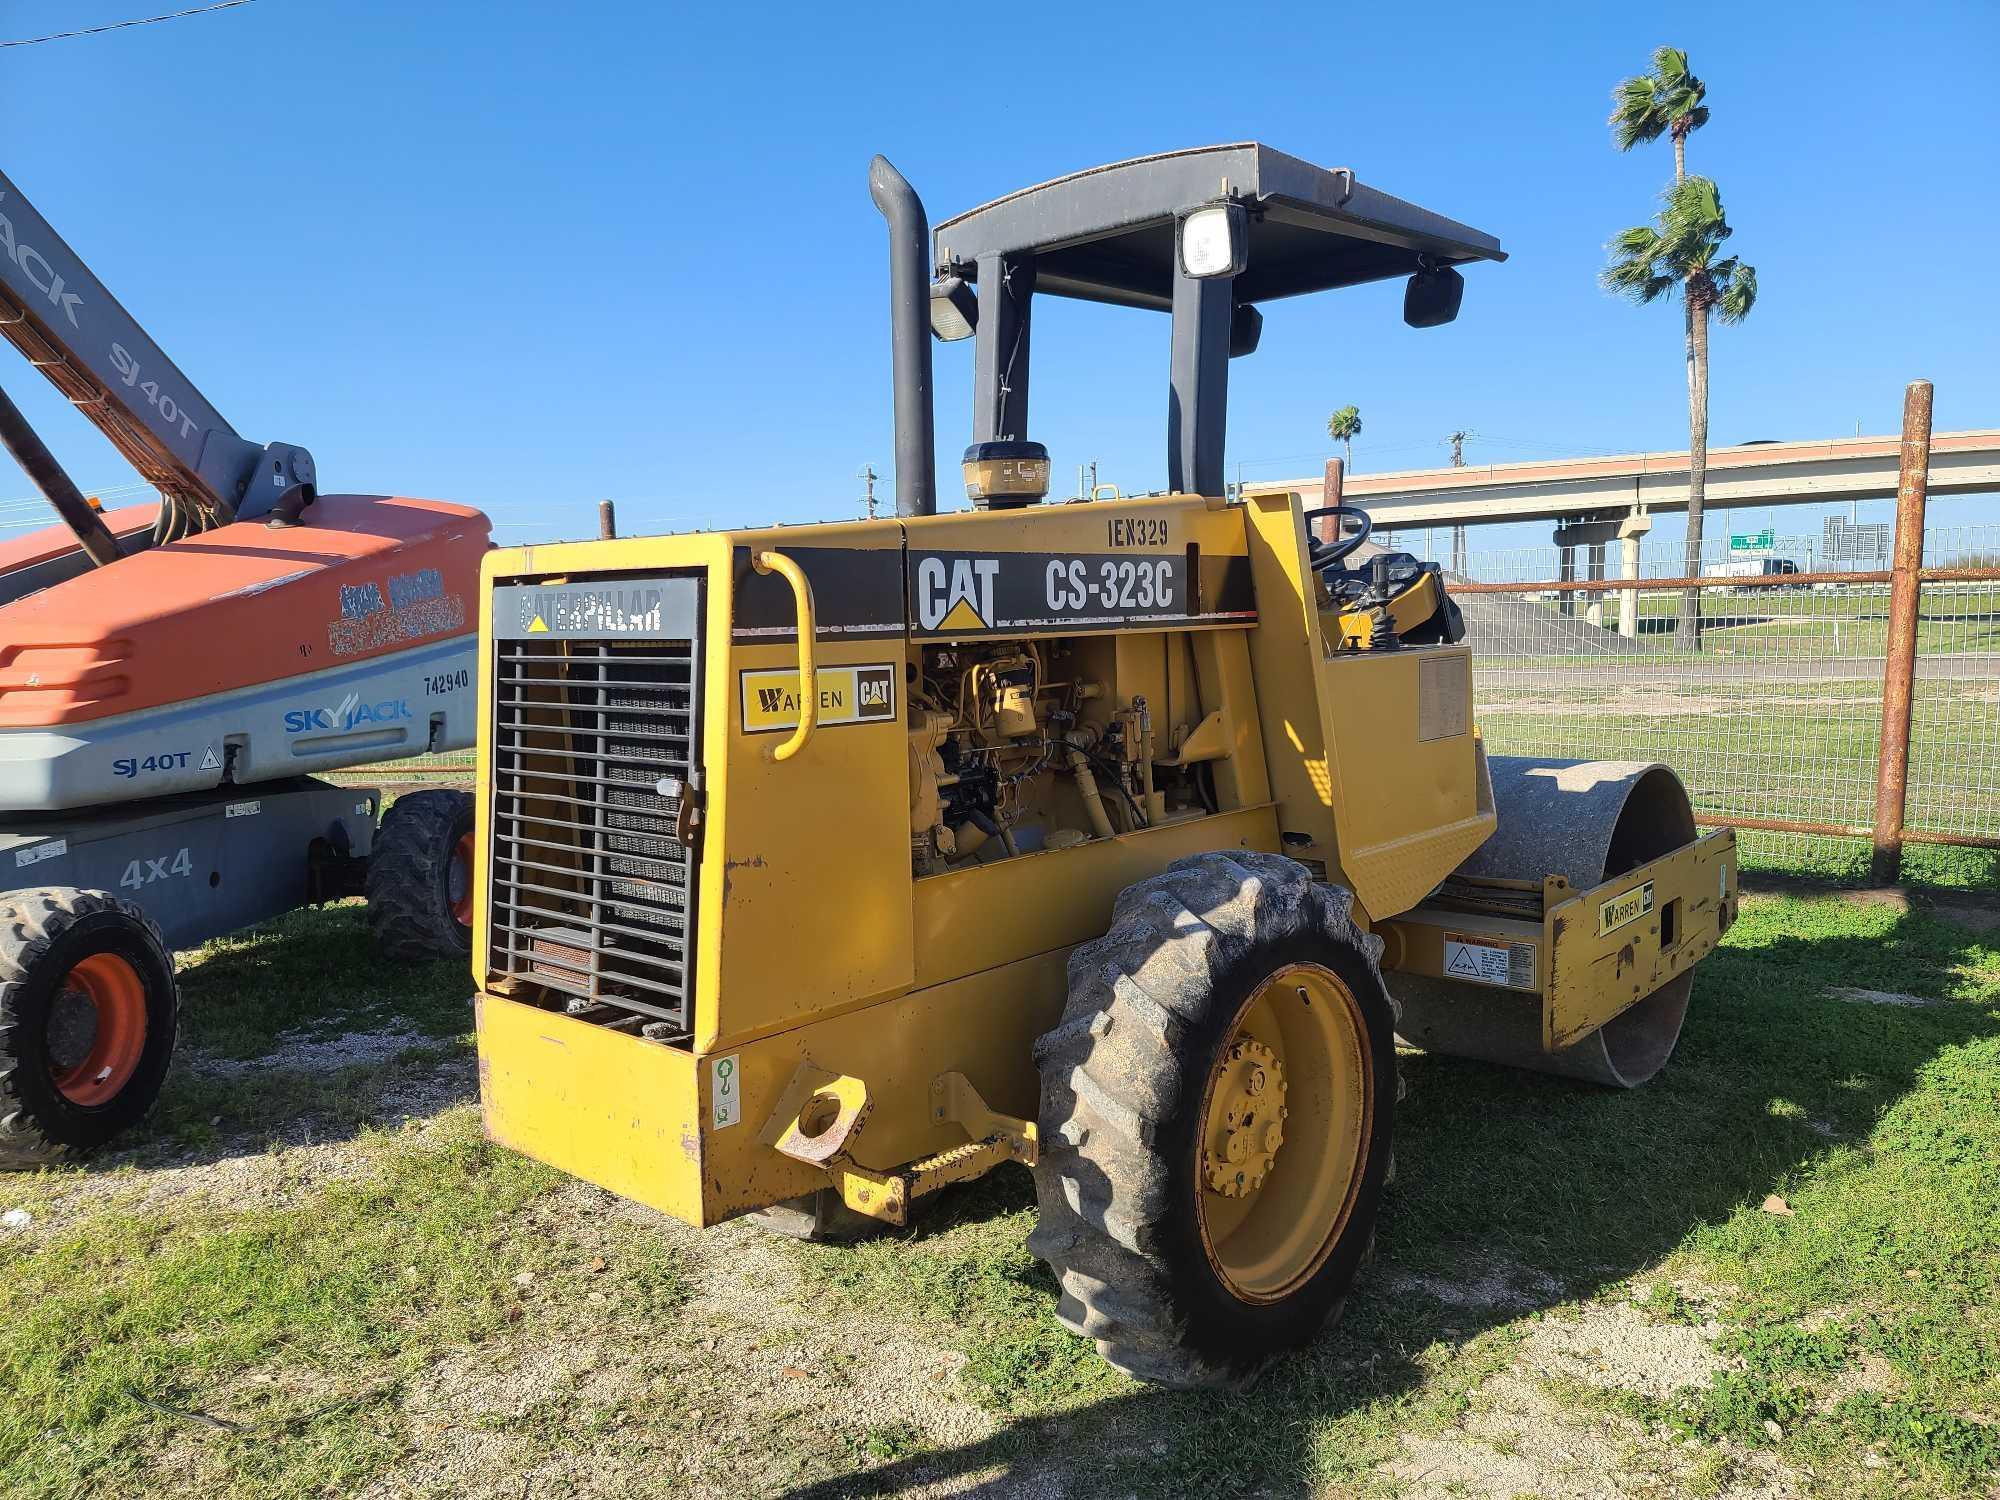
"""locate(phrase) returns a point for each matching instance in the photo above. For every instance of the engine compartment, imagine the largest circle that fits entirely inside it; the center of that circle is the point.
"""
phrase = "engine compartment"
(1021, 746)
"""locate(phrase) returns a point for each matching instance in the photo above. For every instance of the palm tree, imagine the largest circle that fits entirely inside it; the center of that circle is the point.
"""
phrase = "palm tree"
(1666, 101)
(1679, 252)
(1344, 426)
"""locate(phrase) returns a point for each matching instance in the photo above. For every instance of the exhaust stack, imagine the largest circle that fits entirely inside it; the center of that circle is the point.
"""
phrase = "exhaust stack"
(910, 337)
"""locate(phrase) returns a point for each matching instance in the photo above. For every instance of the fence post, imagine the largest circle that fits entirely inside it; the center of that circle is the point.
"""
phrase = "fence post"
(1332, 491)
(1628, 599)
(1899, 668)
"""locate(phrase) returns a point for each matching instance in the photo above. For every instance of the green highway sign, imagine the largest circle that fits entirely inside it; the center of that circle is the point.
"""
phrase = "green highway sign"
(1756, 541)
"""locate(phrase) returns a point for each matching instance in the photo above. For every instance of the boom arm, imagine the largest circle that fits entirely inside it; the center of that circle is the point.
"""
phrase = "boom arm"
(70, 328)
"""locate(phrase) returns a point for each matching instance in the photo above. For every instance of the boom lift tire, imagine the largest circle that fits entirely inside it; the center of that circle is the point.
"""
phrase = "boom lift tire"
(88, 1014)
(420, 877)
(1217, 1113)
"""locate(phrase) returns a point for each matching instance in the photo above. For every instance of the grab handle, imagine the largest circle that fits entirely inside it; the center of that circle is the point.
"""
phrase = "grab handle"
(802, 596)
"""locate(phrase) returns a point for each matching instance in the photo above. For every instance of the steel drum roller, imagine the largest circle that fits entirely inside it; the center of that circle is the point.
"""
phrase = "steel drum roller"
(1588, 821)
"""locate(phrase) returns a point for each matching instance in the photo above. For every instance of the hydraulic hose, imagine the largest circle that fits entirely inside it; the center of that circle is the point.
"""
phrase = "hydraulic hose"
(1086, 786)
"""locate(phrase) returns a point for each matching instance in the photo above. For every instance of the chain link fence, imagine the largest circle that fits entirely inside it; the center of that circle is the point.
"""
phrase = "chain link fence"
(1776, 716)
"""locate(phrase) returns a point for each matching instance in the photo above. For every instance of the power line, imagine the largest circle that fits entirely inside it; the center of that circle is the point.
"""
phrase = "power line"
(63, 36)
(103, 492)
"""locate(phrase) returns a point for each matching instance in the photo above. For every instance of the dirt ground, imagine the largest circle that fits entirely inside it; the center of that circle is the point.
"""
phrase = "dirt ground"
(1536, 1323)
(755, 1373)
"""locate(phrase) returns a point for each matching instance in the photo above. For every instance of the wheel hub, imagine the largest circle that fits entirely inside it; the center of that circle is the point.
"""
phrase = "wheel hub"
(97, 1033)
(72, 1028)
(1293, 1077)
(458, 881)
(1246, 1120)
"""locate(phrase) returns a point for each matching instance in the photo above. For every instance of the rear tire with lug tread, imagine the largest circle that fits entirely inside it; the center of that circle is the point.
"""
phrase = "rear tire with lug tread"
(89, 1010)
(419, 877)
(1217, 1114)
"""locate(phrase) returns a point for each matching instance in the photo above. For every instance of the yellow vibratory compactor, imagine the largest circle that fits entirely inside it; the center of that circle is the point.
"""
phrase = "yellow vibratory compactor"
(824, 866)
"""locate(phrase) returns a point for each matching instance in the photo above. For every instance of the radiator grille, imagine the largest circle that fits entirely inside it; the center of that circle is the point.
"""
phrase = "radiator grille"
(591, 894)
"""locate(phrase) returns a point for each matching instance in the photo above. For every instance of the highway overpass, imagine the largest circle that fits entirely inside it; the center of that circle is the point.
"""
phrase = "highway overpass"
(1632, 484)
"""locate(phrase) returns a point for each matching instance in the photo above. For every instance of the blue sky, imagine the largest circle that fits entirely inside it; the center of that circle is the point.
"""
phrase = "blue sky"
(527, 256)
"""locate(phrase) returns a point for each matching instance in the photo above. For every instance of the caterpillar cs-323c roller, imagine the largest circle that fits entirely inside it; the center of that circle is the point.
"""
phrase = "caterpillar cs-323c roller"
(170, 677)
(827, 865)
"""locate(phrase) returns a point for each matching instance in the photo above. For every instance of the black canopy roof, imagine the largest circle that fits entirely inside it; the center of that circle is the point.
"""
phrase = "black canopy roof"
(1107, 234)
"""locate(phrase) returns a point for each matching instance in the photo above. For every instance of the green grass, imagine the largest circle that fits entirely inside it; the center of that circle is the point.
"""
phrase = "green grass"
(307, 1325)
(1941, 601)
(1880, 1126)
(1755, 621)
(316, 973)
(312, 975)
(1895, 1236)
(110, 1330)
(965, 1278)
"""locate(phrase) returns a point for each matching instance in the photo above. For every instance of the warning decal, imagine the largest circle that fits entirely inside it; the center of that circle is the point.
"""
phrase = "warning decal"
(1483, 961)
(54, 849)
(847, 695)
(725, 1104)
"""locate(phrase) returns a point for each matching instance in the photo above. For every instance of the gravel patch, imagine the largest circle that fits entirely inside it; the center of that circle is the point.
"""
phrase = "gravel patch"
(751, 1390)
(1519, 1439)
(301, 1052)
(1879, 997)
(249, 1173)
(265, 1167)
(1616, 1347)
(1979, 919)
(1485, 1284)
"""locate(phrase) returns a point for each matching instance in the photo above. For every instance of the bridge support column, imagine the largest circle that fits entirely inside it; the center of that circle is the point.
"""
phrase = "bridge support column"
(1628, 599)
(1597, 533)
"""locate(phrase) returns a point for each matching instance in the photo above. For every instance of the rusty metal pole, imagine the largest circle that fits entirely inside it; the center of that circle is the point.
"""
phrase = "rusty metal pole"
(607, 521)
(1330, 491)
(1899, 670)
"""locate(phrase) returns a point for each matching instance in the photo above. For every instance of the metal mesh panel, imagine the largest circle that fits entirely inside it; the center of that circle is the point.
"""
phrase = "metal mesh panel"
(591, 892)
(1778, 714)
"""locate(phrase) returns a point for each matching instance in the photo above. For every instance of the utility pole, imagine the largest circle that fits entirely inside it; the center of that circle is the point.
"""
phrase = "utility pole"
(1458, 550)
(867, 475)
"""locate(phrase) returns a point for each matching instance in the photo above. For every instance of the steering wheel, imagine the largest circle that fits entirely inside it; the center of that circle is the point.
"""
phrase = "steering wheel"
(1329, 553)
